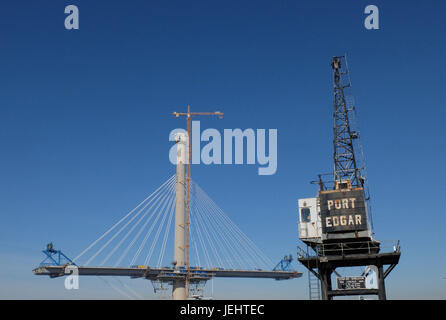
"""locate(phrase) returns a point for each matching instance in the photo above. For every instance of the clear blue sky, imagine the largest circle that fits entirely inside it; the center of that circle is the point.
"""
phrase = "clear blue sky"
(85, 117)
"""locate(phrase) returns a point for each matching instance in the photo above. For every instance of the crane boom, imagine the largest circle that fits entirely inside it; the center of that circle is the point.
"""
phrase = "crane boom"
(345, 162)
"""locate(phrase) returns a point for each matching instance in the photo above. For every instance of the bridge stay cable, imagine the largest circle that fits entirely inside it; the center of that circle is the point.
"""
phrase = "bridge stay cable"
(113, 237)
(126, 235)
(161, 198)
(218, 246)
(122, 219)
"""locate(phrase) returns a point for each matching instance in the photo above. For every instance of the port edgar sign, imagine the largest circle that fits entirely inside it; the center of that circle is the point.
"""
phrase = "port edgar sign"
(343, 211)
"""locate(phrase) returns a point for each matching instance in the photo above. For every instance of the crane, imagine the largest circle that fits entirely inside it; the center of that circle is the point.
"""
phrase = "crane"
(189, 116)
(336, 224)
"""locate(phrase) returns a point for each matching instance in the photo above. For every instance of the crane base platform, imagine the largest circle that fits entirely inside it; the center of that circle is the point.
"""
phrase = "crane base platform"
(322, 266)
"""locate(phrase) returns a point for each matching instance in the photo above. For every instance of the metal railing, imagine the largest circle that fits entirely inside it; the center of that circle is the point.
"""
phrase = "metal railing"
(345, 248)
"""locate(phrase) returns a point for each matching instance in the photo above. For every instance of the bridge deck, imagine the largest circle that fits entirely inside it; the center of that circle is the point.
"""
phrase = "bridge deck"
(156, 273)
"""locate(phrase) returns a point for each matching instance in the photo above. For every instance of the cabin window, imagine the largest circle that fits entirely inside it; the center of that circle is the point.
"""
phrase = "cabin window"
(305, 215)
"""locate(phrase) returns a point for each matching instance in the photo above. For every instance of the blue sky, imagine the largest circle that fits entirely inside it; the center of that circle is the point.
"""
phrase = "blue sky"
(85, 117)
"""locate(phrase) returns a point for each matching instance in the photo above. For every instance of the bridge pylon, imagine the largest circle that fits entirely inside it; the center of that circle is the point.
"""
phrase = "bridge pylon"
(179, 291)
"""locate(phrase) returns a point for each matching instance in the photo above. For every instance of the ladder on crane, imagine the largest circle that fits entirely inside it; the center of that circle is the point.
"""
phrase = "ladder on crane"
(314, 287)
(314, 284)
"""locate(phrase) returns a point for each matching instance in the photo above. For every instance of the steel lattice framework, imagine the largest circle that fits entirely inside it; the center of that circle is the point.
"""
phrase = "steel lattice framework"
(345, 164)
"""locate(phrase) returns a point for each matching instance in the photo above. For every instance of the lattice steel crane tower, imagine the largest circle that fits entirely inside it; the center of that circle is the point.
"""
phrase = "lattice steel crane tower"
(345, 166)
(336, 224)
